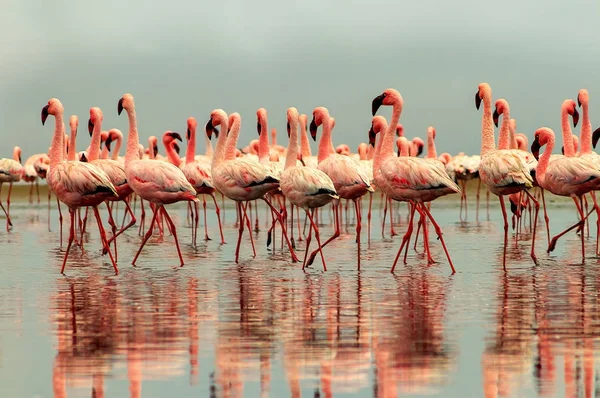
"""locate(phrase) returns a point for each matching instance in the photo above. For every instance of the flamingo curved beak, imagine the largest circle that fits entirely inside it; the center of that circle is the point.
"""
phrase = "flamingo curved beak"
(176, 147)
(372, 136)
(90, 127)
(535, 148)
(419, 150)
(477, 100)
(155, 149)
(575, 117)
(188, 134)
(175, 136)
(313, 129)
(376, 104)
(45, 114)
(258, 127)
(108, 142)
(595, 137)
(288, 128)
(208, 128)
(120, 106)
(496, 116)
(578, 101)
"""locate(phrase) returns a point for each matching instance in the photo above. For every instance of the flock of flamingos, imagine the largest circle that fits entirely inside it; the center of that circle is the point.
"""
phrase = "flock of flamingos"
(275, 174)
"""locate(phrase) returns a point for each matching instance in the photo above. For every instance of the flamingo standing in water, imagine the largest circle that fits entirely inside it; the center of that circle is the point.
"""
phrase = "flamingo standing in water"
(349, 178)
(76, 184)
(113, 169)
(238, 178)
(406, 178)
(31, 176)
(565, 176)
(159, 183)
(305, 187)
(199, 175)
(503, 171)
(11, 171)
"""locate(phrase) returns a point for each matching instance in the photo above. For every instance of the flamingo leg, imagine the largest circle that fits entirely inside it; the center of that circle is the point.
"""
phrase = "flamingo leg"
(593, 194)
(477, 199)
(430, 259)
(31, 192)
(406, 237)
(8, 198)
(298, 223)
(487, 203)
(358, 229)
(505, 230)
(546, 218)
(317, 235)
(392, 230)
(308, 239)
(60, 221)
(148, 234)
(195, 219)
(385, 209)
(103, 238)
(37, 190)
(247, 220)
(537, 210)
(83, 226)
(142, 217)
(587, 224)
(71, 237)
(412, 210)
(173, 231)
(336, 234)
(292, 225)
(49, 198)
(578, 224)
(131, 224)
(218, 211)
(417, 234)
(206, 237)
(282, 223)
(438, 232)
(369, 218)
(240, 230)
(8, 222)
(113, 226)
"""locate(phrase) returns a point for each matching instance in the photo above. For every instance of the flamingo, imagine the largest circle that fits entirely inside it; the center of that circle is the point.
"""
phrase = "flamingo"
(565, 176)
(349, 178)
(586, 149)
(76, 184)
(31, 176)
(406, 178)
(307, 157)
(11, 171)
(503, 171)
(305, 187)
(199, 175)
(159, 183)
(240, 179)
(113, 169)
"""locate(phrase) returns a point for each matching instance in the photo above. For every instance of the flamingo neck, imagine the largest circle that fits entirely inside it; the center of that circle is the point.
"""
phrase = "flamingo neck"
(387, 145)
(487, 127)
(222, 141)
(263, 142)
(273, 136)
(304, 142)
(191, 146)
(513, 135)
(370, 152)
(72, 153)
(209, 148)
(133, 138)
(566, 133)
(377, 154)
(172, 156)
(65, 144)
(403, 148)
(232, 140)
(325, 144)
(104, 154)
(504, 139)
(115, 154)
(94, 150)
(431, 152)
(292, 150)
(58, 146)
(586, 131)
(540, 170)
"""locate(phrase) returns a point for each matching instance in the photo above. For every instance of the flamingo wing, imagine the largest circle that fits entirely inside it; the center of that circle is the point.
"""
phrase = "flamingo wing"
(505, 168)
(158, 176)
(81, 178)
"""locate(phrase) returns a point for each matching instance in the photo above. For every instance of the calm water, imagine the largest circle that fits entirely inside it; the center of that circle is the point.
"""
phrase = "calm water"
(265, 328)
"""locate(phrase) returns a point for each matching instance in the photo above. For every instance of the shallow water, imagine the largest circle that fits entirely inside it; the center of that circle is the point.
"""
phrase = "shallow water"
(264, 327)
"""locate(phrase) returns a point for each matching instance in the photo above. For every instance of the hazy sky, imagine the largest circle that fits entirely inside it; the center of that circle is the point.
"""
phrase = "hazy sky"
(185, 58)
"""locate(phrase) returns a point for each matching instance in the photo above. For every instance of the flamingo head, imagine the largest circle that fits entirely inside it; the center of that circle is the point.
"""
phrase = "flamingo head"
(388, 97)
(582, 97)
(570, 107)
(125, 102)
(378, 124)
(501, 107)
(484, 92)
(431, 132)
(303, 121)
(292, 119)
(217, 118)
(541, 137)
(261, 120)
(53, 107)
(191, 127)
(418, 146)
(153, 145)
(320, 113)
(73, 122)
(95, 118)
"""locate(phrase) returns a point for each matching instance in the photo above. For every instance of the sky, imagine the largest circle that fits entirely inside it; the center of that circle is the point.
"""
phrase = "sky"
(184, 58)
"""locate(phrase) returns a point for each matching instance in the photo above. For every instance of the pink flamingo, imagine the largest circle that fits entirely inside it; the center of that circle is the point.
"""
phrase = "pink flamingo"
(11, 171)
(74, 183)
(305, 187)
(199, 175)
(565, 176)
(113, 169)
(160, 183)
(406, 178)
(503, 171)
(348, 176)
(31, 176)
(240, 179)
(586, 149)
